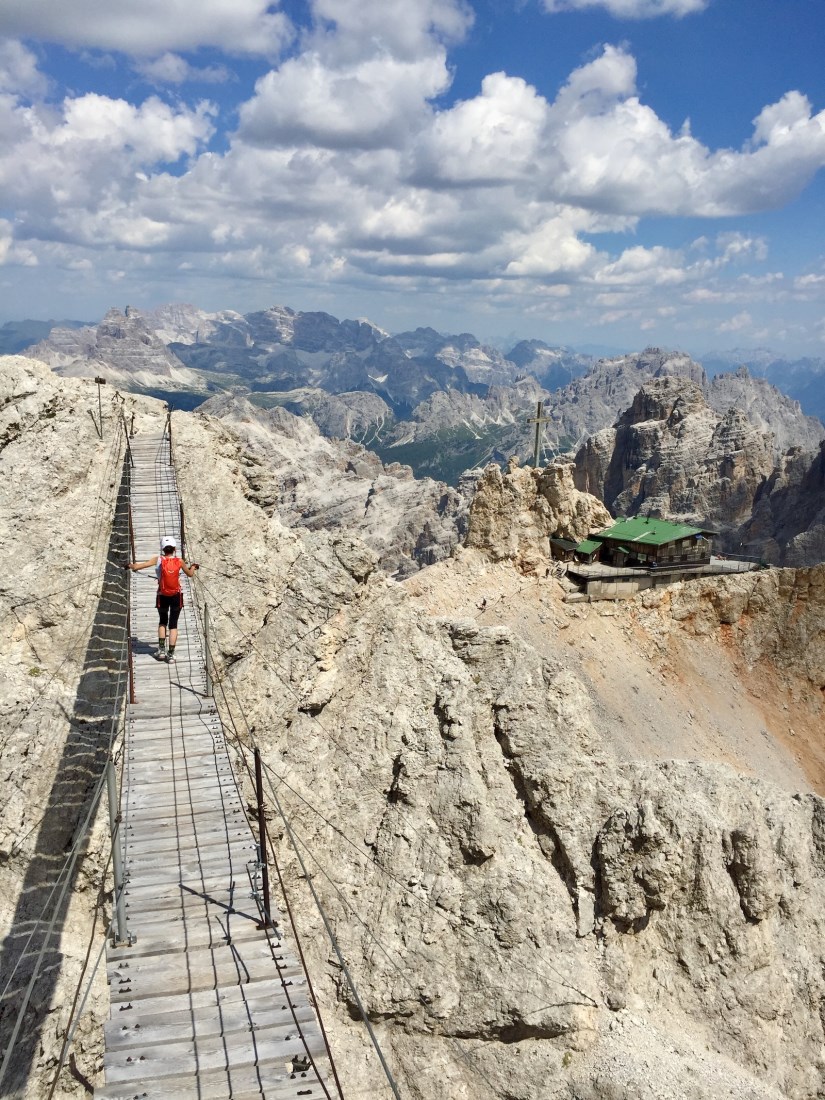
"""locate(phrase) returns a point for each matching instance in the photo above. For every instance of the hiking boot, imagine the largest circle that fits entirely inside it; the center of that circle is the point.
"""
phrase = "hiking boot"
(160, 655)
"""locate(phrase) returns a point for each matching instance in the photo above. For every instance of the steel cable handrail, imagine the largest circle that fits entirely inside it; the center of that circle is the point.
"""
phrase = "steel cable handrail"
(560, 979)
(268, 917)
(71, 855)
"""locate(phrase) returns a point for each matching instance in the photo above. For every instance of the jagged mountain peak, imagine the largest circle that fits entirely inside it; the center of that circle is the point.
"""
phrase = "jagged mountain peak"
(662, 398)
(672, 454)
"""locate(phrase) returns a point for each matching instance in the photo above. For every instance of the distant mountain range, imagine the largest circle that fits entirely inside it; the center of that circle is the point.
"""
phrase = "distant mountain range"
(16, 336)
(803, 379)
(440, 403)
(652, 432)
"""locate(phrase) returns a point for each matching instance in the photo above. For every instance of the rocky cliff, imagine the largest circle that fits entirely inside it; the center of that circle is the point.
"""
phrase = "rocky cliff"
(292, 471)
(766, 408)
(670, 454)
(282, 350)
(452, 432)
(513, 514)
(568, 851)
(788, 521)
(123, 349)
(801, 379)
(553, 367)
(593, 402)
(440, 400)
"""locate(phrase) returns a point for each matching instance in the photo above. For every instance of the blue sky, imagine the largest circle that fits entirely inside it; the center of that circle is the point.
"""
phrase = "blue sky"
(621, 172)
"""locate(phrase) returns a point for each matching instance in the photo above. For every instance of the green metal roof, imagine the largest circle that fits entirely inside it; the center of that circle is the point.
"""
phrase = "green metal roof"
(587, 546)
(648, 531)
(562, 544)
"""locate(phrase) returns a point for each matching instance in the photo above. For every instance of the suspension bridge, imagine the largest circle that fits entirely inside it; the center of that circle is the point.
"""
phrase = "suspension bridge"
(209, 992)
(208, 998)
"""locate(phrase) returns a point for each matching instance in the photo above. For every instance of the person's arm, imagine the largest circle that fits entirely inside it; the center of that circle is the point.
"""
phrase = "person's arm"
(189, 570)
(135, 565)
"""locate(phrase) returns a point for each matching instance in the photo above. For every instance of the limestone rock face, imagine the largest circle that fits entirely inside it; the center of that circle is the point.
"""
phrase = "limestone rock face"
(513, 513)
(671, 455)
(285, 350)
(766, 408)
(452, 431)
(593, 402)
(123, 349)
(553, 367)
(182, 323)
(524, 823)
(318, 483)
(479, 362)
(60, 564)
(788, 521)
(358, 416)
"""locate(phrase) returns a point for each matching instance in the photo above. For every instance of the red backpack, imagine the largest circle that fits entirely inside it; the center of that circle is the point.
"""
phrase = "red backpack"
(169, 576)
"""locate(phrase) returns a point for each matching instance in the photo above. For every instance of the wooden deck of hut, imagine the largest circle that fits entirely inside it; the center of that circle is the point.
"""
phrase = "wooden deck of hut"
(205, 1003)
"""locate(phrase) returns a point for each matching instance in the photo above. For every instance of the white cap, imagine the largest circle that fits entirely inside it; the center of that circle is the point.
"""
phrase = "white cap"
(166, 542)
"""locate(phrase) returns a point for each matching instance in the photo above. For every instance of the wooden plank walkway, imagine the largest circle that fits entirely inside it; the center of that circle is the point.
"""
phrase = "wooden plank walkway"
(204, 1004)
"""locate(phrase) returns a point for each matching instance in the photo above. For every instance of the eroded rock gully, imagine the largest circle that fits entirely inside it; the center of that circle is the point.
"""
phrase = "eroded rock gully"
(568, 852)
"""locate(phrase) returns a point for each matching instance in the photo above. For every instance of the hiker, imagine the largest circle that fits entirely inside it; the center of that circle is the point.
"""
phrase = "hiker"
(169, 598)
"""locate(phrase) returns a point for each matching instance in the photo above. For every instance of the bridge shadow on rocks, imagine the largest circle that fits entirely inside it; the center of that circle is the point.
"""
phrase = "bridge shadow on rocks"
(31, 951)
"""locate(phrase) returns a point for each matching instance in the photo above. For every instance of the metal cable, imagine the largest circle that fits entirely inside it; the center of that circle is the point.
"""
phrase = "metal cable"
(73, 851)
(165, 493)
(465, 1055)
(336, 948)
(268, 916)
(65, 873)
(89, 570)
(328, 927)
(531, 971)
(71, 1024)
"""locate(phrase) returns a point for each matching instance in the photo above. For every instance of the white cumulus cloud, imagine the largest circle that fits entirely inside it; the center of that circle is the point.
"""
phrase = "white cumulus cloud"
(171, 68)
(348, 87)
(18, 70)
(150, 27)
(494, 137)
(741, 321)
(347, 169)
(74, 171)
(630, 9)
(372, 102)
(605, 149)
(403, 28)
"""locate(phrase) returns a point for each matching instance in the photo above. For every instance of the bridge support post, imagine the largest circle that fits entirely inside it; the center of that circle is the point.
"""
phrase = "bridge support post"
(100, 382)
(262, 854)
(126, 430)
(206, 650)
(131, 535)
(121, 937)
(130, 658)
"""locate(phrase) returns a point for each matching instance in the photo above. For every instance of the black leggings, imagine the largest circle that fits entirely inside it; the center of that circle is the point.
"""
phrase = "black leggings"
(169, 609)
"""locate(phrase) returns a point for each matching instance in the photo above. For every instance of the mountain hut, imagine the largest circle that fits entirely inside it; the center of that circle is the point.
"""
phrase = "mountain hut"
(648, 542)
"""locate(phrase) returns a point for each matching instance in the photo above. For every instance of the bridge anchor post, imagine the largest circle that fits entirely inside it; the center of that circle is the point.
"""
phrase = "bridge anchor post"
(267, 922)
(206, 650)
(121, 937)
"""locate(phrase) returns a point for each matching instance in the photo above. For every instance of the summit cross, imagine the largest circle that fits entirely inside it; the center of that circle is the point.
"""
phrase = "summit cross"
(538, 420)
